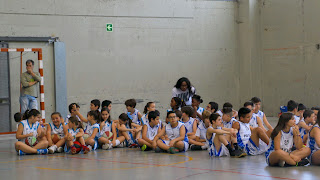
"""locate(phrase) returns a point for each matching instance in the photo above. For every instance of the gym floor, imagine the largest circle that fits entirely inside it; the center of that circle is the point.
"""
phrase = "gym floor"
(121, 163)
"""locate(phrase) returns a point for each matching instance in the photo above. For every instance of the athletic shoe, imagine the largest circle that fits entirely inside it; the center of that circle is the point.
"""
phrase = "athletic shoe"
(281, 163)
(21, 153)
(173, 150)
(73, 150)
(52, 149)
(105, 146)
(143, 147)
(60, 149)
(205, 147)
(85, 149)
(158, 150)
(133, 145)
(238, 153)
(303, 162)
(121, 145)
(195, 147)
(42, 151)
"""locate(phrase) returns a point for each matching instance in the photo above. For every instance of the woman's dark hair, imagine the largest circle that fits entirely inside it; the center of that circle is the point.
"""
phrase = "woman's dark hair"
(109, 118)
(284, 118)
(124, 117)
(32, 112)
(96, 115)
(197, 98)
(178, 103)
(105, 103)
(146, 107)
(56, 113)
(214, 106)
(189, 86)
(153, 115)
(75, 120)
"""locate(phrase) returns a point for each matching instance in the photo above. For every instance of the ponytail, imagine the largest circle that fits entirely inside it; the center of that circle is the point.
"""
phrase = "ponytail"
(146, 107)
(284, 118)
(29, 113)
(75, 120)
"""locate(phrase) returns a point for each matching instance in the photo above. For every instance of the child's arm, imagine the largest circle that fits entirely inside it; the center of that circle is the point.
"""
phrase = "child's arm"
(236, 126)
(144, 134)
(64, 126)
(297, 138)
(80, 133)
(138, 127)
(234, 113)
(304, 125)
(140, 116)
(114, 132)
(317, 135)
(217, 131)
(83, 119)
(198, 133)
(41, 131)
(161, 133)
(194, 129)
(180, 138)
(49, 134)
(260, 124)
(232, 131)
(266, 122)
(196, 112)
(123, 128)
(102, 124)
(20, 131)
(93, 135)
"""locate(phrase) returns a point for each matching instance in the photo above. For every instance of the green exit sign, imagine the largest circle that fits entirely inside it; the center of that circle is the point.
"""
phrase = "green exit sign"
(109, 27)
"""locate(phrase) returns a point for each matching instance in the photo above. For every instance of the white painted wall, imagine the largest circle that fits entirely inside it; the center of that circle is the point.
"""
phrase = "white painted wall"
(153, 44)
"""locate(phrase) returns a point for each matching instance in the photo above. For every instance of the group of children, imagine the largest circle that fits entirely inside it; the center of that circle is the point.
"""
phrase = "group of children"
(294, 141)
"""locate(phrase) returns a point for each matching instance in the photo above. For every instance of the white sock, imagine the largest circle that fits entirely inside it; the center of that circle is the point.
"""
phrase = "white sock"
(117, 142)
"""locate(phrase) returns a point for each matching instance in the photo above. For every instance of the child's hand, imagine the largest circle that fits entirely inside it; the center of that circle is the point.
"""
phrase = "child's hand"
(30, 134)
(171, 143)
(62, 120)
(295, 158)
(154, 144)
(296, 131)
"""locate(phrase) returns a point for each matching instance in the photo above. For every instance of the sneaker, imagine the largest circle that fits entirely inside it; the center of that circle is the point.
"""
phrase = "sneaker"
(133, 145)
(42, 151)
(143, 147)
(73, 150)
(52, 149)
(21, 153)
(60, 149)
(158, 150)
(303, 162)
(205, 147)
(238, 154)
(173, 150)
(105, 146)
(195, 147)
(86, 149)
(121, 145)
(281, 163)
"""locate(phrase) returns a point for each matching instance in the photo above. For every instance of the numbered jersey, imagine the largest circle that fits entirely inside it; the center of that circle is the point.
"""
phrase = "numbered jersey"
(243, 134)
(174, 133)
(144, 119)
(200, 111)
(134, 117)
(152, 131)
(57, 130)
(297, 119)
(27, 129)
(189, 125)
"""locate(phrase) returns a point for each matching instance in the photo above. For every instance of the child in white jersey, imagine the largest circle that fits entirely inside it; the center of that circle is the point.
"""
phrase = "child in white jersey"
(314, 142)
(196, 101)
(108, 127)
(150, 106)
(306, 124)
(200, 142)
(125, 129)
(56, 128)
(29, 129)
(75, 133)
(149, 131)
(175, 104)
(176, 132)
(248, 138)
(227, 117)
(212, 107)
(220, 138)
(283, 137)
(135, 117)
(293, 108)
(93, 130)
(257, 105)
(73, 108)
(189, 123)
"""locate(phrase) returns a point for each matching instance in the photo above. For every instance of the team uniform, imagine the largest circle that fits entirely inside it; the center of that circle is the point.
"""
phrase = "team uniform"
(174, 133)
(73, 133)
(200, 111)
(134, 117)
(189, 125)
(219, 112)
(185, 96)
(229, 124)
(312, 144)
(260, 114)
(89, 131)
(68, 116)
(213, 151)
(27, 129)
(173, 110)
(303, 131)
(253, 121)
(245, 142)
(144, 119)
(201, 131)
(152, 131)
(57, 130)
(297, 119)
(107, 127)
(286, 144)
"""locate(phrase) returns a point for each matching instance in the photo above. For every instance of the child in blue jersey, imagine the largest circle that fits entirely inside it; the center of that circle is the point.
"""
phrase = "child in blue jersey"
(189, 123)
(283, 137)
(93, 130)
(219, 138)
(108, 126)
(306, 124)
(257, 105)
(149, 131)
(175, 104)
(75, 133)
(196, 101)
(30, 128)
(176, 132)
(200, 140)
(150, 106)
(248, 138)
(135, 116)
(314, 142)
(227, 117)
(126, 130)
(293, 108)
(213, 107)
(56, 127)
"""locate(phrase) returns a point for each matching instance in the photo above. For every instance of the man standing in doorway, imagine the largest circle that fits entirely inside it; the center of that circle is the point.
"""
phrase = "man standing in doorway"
(29, 93)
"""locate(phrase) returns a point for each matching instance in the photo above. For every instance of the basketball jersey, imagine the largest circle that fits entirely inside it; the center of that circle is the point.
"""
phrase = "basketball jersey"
(152, 131)
(200, 111)
(243, 134)
(253, 121)
(228, 124)
(144, 119)
(260, 114)
(57, 130)
(68, 116)
(173, 110)
(106, 127)
(210, 140)
(73, 132)
(27, 129)
(91, 128)
(303, 131)
(220, 113)
(297, 119)
(87, 128)
(201, 131)
(174, 133)
(134, 117)
(189, 125)
(312, 141)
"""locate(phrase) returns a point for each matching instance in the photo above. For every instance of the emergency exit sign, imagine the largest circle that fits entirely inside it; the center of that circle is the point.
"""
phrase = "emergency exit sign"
(109, 27)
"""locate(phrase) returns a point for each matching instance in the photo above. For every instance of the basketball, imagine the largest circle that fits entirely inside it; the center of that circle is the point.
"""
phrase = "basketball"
(108, 135)
(85, 136)
(55, 138)
(31, 141)
(77, 145)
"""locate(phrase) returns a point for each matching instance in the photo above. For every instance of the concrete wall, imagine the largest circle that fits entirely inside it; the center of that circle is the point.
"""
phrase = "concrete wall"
(153, 44)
